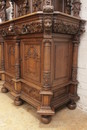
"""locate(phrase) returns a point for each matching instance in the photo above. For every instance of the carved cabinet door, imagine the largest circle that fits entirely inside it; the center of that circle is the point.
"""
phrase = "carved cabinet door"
(31, 60)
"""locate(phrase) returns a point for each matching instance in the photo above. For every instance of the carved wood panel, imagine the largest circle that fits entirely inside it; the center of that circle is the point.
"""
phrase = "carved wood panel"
(0, 56)
(10, 58)
(31, 65)
(62, 62)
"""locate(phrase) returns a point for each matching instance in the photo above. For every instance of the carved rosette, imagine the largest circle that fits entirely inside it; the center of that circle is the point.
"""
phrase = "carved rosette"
(76, 7)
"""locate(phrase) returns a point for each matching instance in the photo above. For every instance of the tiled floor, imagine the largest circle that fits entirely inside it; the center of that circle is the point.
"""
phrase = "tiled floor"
(25, 117)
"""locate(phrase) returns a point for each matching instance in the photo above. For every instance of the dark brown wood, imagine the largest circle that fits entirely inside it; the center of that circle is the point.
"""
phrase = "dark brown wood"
(39, 55)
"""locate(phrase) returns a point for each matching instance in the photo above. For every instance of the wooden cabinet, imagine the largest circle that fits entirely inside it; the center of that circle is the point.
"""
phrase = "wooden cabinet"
(39, 55)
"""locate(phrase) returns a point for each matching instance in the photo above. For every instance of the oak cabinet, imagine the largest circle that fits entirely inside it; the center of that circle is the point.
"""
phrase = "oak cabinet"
(39, 55)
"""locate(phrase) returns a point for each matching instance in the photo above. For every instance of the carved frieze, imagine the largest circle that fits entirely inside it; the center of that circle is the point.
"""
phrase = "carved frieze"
(61, 26)
(32, 27)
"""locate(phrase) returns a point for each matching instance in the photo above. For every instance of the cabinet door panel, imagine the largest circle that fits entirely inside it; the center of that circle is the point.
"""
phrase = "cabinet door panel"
(10, 57)
(31, 61)
(62, 62)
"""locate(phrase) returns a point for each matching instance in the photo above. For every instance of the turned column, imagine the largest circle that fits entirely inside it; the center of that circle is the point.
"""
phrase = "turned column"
(17, 59)
(17, 83)
(2, 61)
(4, 89)
(73, 87)
(46, 93)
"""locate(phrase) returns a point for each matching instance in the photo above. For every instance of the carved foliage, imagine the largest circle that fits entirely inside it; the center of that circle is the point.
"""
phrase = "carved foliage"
(2, 10)
(32, 27)
(76, 8)
(37, 5)
(32, 92)
(65, 27)
(24, 8)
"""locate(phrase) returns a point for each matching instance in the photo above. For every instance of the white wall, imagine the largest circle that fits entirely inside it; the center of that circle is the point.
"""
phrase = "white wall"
(82, 62)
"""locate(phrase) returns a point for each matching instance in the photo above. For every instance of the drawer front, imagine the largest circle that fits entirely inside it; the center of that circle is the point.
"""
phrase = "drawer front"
(9, 82)
(30, 92)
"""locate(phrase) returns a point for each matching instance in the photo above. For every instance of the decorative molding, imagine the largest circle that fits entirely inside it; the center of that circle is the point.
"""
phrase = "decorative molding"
(60, 26)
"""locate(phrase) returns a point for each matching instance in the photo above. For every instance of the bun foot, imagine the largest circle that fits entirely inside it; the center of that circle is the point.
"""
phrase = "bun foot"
(72, 105)
(18, 101)
(46, 119)
(4, 90)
